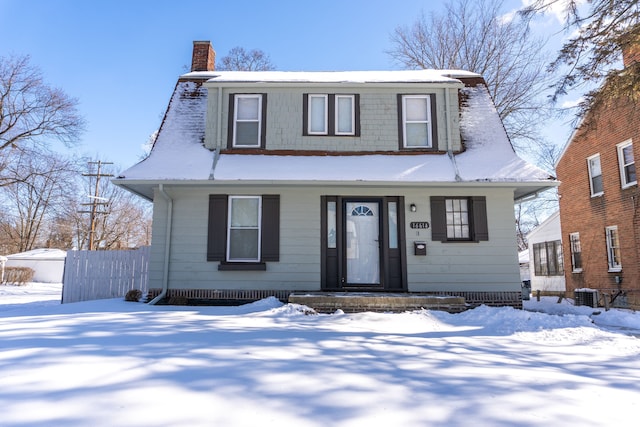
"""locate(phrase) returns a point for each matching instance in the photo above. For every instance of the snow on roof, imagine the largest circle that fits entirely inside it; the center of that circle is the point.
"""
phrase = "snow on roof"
(179, 153)
(39, 254)
(404, 76)
(489, 155)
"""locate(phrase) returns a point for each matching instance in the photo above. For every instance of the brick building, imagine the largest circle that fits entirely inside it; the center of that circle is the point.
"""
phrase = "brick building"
(599, 205)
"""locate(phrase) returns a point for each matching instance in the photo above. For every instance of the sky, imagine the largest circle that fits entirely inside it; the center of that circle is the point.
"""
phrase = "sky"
(110, 362)
(121, 58)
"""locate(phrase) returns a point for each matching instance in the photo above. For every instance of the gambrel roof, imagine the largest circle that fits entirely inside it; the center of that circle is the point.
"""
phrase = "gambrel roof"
(179, 154)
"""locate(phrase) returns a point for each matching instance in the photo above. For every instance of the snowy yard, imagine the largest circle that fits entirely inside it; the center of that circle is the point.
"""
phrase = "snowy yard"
(116, 363)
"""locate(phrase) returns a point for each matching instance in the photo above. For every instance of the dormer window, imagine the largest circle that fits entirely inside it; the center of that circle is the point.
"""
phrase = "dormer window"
(417, 121)
(247, 120)
(331, 114)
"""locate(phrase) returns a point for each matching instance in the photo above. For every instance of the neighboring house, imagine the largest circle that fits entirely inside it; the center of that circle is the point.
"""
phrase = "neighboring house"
(523, 260)
(546, 263)
(599, 204)
(268, 183)
(47, 264)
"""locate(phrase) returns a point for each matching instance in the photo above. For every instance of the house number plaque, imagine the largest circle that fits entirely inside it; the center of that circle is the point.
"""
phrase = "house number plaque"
(419, 224)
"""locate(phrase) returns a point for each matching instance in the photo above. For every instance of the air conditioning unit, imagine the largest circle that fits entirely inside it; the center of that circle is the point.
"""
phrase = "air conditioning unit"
(588, 297)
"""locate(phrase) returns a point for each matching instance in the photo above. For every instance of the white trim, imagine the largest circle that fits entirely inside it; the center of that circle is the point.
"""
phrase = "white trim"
(613, 265)
(591, 176)
(259, 228)
(353, 114)
(236, 98)
(325, 131)
(427, 121)
(572, 252)
(621, 165)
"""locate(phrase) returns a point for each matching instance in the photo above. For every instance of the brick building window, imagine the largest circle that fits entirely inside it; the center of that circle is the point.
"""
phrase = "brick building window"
(627, 164)
(547, 258)
(613, 248)
(595, 175)
(576, 252)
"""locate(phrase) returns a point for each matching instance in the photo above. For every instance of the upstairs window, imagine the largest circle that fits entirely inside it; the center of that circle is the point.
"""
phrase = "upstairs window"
(247, 120)
(613, 249)
(576, 252)
(595, 175)
(417, 121)
(627, 164)
(331, 114)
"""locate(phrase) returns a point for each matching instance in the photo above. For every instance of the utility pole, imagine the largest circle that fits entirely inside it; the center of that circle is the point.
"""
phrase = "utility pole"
(96, 201)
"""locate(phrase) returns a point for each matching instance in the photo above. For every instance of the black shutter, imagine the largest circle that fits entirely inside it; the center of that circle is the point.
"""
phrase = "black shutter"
(356, 107)
(270, 228)
(305, 114)
(400, 123)
(263, 133)
(438, 219)
(434, 122)
(480, 227)
(217, 233)
(230, 121)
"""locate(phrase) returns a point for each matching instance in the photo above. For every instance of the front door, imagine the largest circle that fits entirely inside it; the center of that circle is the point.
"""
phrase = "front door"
(362, 243)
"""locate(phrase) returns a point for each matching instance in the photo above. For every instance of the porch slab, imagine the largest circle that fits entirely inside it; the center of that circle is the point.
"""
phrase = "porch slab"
(355, 302)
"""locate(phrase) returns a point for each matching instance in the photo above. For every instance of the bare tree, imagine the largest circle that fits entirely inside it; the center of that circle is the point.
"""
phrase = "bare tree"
(41, 182)
(603, 28)
(238, 59)
(475, 35)
(31, 112)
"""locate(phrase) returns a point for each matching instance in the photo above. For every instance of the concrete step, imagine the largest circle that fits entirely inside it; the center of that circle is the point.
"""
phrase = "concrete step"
(354, 302)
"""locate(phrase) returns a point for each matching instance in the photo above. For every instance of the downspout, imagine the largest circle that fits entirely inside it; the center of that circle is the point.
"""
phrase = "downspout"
(447, 113)
(167, 246)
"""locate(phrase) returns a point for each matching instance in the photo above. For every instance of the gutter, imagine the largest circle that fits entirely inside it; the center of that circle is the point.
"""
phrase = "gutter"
(167, 246)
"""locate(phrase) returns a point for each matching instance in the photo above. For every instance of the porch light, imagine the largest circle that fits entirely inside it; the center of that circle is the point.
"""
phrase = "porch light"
(412, 207)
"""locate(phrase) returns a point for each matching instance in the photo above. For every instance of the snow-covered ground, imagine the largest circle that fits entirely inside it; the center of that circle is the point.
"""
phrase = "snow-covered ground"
(117, 363)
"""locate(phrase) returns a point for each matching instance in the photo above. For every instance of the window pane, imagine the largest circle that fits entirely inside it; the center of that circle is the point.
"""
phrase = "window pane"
(244, 212)
(627, 154)
(243, 244)
(331, 225)
(317, 114)
(247, 133)
(247, 108)
(457, 217)
(594, 165)
(417, 135)
(344, 112)
(393, 225)
(416, 109)
(630, 173)
(596, 182)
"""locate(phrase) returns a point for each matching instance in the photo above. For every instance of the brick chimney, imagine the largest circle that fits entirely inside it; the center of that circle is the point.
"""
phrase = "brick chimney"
(204, 57)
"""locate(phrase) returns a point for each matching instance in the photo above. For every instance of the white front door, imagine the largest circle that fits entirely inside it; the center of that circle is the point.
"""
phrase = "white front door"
(362, 228)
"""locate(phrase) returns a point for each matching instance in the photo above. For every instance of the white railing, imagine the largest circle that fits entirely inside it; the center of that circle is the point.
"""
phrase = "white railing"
(91, 275)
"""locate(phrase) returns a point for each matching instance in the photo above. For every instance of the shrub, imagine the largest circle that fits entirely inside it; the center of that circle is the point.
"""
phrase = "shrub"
(133, 295)
(17, 275)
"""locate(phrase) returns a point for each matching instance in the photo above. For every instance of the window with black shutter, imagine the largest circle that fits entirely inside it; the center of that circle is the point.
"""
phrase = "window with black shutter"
(243, 231)
(459, 219)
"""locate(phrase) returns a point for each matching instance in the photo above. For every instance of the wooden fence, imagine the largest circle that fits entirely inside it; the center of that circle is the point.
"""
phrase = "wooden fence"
(90, 275)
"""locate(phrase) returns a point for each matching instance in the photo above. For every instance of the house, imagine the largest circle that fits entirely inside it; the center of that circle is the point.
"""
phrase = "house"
(599, 206)
(269, 183)
(47, 264)
(546, 262)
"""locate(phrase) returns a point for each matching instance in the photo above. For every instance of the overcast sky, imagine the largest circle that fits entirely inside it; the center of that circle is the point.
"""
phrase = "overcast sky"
(121, 58)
